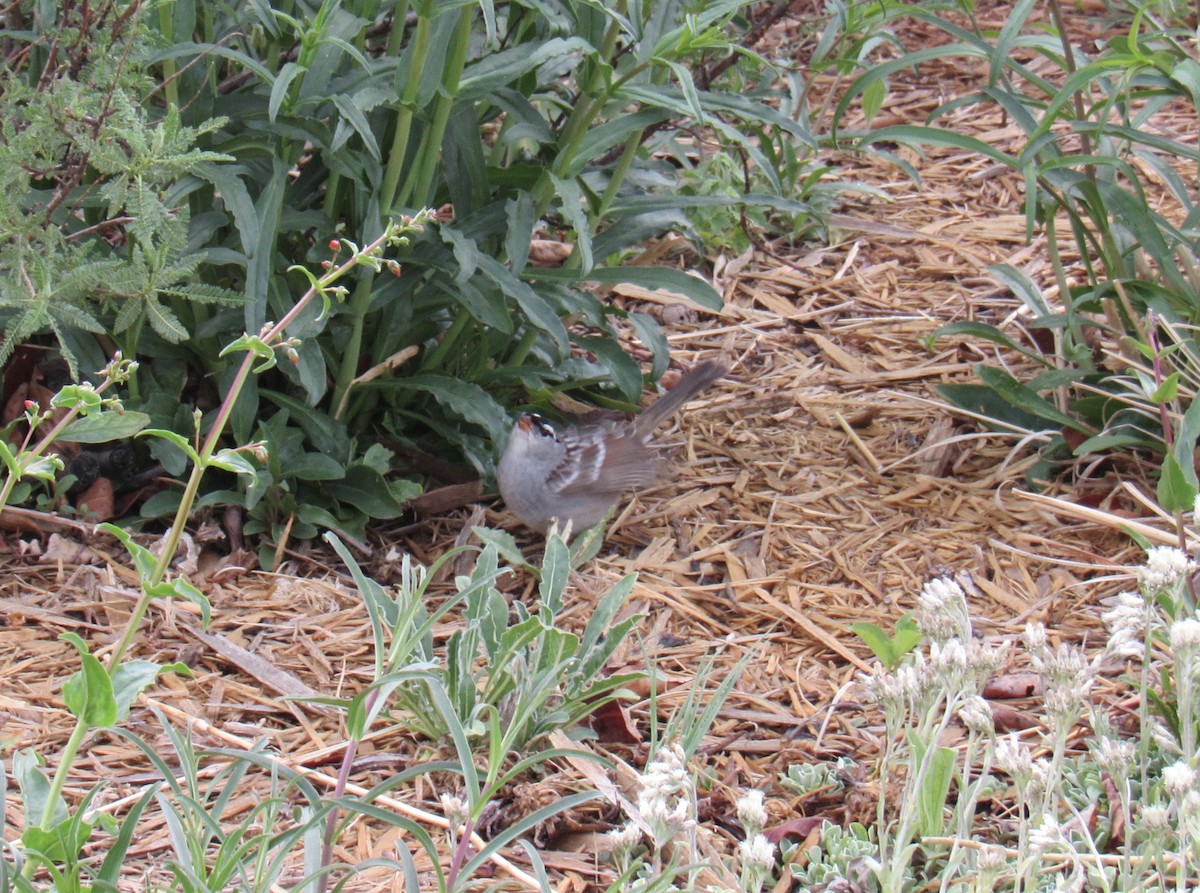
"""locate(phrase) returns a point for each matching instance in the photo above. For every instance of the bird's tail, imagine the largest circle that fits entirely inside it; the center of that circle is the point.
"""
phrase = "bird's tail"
(700, 377)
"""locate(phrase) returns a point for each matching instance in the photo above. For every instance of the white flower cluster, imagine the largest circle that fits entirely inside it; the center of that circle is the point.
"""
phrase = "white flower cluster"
(756, 852)
(1165, 566)
(1127, 623)
(942, 612)
(1067, 676)
(667, 799)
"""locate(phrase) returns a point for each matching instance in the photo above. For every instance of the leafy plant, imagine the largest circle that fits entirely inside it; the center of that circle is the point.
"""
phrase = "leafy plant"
(524, 117)
(1089, 154)
(890, 650)
(501, 685)
(93, 241)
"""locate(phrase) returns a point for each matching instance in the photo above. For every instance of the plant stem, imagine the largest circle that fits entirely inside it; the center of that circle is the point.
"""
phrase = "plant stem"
(419, 50)
(271, 336)
(419, 189)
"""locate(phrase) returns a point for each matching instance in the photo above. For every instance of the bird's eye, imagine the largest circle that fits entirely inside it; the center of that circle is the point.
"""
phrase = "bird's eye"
(543, 427)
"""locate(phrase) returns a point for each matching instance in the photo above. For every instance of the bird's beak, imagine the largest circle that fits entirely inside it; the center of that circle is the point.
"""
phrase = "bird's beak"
(525, 423)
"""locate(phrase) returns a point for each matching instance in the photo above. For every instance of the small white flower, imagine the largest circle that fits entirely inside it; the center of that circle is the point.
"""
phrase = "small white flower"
(1035, 640)
(667, 797)
(1063, 705)
(1014, 758)
(1178, 779)
(1041, 780)
(1189, 809)
(454, 808)
(1128, 644)
(751, 811)
(1046, 835)
(1185, 635)
(1115, 756)
(1128, 613)
(991, 858)
(942, 610)
(976, 715)
(1164, 567)
(623, 841)
(757, 851)
(1164, 738)
(1157, 819)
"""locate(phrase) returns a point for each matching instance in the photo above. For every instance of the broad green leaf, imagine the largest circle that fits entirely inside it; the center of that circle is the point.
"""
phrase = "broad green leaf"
(556, 568)
(505, 544)
(88, 693)
(1025, 398)
(931, 798)
(232, 460)
(315, 467)
(533, 305)
(26, 768)
(143, 558)
(1175, 492)
(873, 97)
(133, 677)
(497, 69)
(62, 843)
(365, 489)
(105, 426)
(571, 203)
(1167, 391)
(1021, 285)
(463, 398)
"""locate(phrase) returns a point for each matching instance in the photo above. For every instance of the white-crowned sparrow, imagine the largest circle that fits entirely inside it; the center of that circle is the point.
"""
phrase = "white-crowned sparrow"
(577, 473)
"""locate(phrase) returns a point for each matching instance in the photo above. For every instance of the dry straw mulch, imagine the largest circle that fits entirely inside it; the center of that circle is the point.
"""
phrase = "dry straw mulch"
(823, 483)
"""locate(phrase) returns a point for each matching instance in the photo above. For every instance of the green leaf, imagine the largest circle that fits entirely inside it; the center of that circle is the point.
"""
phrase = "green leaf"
(890, 650)
(1114, 441)
(62, 843)
(571, 203)
(88, 693)
(102, 427)
(1167, 391)
(974, 329)
(1026, 398)
(465, 399)
(931, 798)
(354, 115)
(35, 788)
(232, 460)
(675, 281)
(279, 90)
(533, 305)
(873, 97)
(143, 558)
(556, 568)
(506, 545)
(1175, 493)
(133, 677)
(365, 489)
(178, 440)
(314, 467)
(164, 322)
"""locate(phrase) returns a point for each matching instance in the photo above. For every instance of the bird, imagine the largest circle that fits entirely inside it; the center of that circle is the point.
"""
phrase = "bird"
(576, 473)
